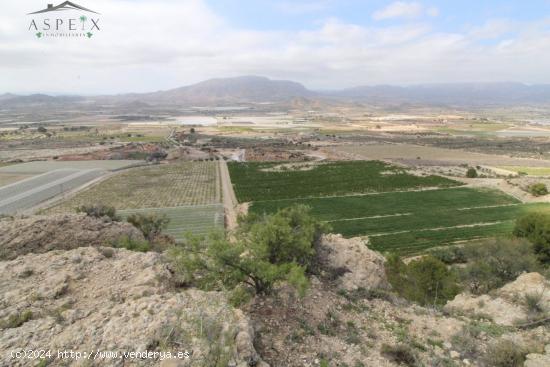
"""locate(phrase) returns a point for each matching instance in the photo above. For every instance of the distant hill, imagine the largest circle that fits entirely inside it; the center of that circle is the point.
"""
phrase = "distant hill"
(450, 94)
(36, 99)
(255, 89)
(230, 90)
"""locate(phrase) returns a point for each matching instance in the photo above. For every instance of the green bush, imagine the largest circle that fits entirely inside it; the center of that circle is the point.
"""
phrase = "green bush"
(16, 320)
(264, 251)
(449, 254)
(505, 353)
(536, 228)
(538, 189)
(289, 235)
(132, 245)
(99, 211)
(400, 354)
(427, 281)
(496, 262)
(150, 224)
(471, 172)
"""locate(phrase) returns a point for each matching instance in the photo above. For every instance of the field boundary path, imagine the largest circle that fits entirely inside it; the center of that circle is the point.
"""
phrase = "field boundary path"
(229, 198)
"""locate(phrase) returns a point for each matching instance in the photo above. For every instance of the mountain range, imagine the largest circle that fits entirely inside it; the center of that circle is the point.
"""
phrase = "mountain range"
(255, 89)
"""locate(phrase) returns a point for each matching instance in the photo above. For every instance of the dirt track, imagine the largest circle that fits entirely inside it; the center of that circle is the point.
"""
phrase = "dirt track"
(229, 199)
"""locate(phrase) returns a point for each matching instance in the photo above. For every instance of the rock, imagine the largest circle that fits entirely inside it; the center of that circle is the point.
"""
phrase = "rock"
(356, 265)
(501, 311)
(538, 360)
(39, 234)
(124, 303)
(454, 354)
(506, 306)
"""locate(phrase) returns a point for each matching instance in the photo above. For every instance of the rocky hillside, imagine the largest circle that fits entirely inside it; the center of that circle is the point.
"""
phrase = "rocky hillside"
(105, 299)
(38, 234)
(63, 290)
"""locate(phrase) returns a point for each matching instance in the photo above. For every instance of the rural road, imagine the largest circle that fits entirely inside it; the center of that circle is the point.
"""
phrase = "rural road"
(229, 199)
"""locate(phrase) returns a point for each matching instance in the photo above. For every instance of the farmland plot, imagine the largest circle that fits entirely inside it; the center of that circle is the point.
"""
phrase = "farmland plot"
(188, 193)
(38, 167)
(410, 222)
(393, 216)
(170, 185)
(267, 181)
(196, 219)
(28, 193)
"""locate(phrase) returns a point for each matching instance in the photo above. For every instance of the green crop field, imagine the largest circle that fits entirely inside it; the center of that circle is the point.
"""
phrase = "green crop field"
(388, 210)
(196, 219)
(409, 222)
(265, 181)
(531, 171)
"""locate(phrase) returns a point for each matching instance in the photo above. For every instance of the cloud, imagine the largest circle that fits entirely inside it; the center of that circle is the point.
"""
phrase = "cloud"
(404, 9)
(303, 7)
(147, 46)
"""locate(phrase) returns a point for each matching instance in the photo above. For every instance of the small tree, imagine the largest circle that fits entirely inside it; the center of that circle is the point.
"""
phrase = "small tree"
(426, 281)
(99, 211)
(536, 228)
(471, 172)
(538, 189)
(493, 263)
(266, 250)
(150, 224)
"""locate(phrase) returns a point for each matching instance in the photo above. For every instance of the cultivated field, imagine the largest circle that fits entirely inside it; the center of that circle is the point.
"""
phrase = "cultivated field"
(37, 167)
(196, 219)
(30, 192)
(255, 181)
(418, 155)
(187, 192)
(531, 171)
(395, 210)
(169, 185)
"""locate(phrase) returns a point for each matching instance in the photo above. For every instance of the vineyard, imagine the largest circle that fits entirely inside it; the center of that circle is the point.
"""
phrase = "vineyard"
(409, 222)
(170, 185)
(188, 193)
(255, 181)
(394, 216)
(197, 219)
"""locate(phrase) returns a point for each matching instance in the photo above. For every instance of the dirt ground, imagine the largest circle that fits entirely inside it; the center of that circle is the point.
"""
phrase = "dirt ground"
(423, 155)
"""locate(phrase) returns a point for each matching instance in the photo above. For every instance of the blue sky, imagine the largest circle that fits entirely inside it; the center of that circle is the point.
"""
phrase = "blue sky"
(148, 45)
(300, 14)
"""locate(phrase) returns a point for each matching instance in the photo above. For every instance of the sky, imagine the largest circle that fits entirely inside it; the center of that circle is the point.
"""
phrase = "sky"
(149, 45)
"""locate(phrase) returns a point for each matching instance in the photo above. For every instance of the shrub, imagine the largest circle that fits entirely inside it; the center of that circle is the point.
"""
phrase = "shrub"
(536, 228)
(496, 262)
(538, 189)
(16, 320)
(150, 224)
(289, 235)
(471, 172)
(400, 354)
(265, 250)
(533, 303)
(425, 281)
(98, 211)
(132, 245)
(449, 254)
(505, 353)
